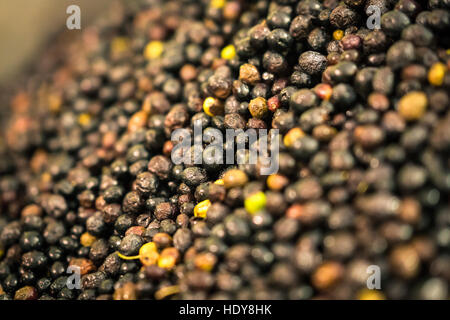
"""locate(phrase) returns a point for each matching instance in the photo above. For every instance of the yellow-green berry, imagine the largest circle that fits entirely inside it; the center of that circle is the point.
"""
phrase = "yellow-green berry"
(228, 53)
(255, 202)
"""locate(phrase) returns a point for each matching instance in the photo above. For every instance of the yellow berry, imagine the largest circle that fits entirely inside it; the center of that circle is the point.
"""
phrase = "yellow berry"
(166, 262)
(148, 247)
(292, 135)
(437, 73)
(87, 239)
(168, 258)
(148, 254)
(84, 119)
(212, 107)
(218, 4)
(219, 182)
(153, 50)
(367, 294)
(201, 208)
(228, 53)
(413, 105)
(255, 202)
(207, 105)
(338, 34)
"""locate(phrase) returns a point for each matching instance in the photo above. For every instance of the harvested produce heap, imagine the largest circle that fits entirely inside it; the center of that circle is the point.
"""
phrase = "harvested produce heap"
(364, 174)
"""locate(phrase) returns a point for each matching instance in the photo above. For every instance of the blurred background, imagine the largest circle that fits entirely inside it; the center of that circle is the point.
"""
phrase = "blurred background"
(27, 27)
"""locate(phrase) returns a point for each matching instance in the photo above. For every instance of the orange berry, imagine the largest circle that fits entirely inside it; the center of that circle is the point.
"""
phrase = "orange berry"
(87, 239)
